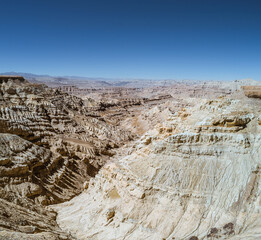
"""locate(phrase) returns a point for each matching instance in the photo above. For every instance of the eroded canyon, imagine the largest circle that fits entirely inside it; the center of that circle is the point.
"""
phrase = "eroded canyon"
(165, 162)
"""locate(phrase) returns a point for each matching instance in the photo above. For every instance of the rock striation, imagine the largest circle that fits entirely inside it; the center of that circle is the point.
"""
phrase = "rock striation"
(176, 161)
(6, 78)
(252, 91)
(50, 147)
(195, 176)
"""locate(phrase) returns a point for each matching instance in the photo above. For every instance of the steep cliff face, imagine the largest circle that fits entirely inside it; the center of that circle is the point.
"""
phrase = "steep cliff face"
(196, 176)
(49, 148)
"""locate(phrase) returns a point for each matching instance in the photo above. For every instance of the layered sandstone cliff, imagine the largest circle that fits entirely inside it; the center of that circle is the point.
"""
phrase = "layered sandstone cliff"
(252, 91)
(50, 146)
(196, 176)
(194, 173)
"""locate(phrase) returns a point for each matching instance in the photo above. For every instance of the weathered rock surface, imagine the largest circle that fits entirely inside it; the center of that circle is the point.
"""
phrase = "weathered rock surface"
(195, 176)
(49, 148)
(252, 91)
(6, 78)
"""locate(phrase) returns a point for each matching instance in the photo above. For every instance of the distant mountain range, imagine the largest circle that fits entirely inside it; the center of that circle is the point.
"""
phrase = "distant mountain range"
(85, 82)
(31, 75)
(90, 82)
(25, 75)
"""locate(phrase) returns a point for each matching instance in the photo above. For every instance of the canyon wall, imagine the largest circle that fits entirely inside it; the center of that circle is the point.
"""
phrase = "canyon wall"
(195, 176)
(50, 146)
(176, 162)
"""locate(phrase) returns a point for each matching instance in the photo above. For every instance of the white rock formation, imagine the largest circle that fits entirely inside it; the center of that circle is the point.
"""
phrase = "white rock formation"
(196, 176)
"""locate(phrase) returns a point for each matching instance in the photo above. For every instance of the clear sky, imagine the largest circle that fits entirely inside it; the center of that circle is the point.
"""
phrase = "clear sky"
(168, 39)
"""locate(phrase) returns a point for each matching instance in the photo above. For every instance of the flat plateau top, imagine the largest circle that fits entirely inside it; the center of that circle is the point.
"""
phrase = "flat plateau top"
(251, 87)
(10, 76)
(5, 78)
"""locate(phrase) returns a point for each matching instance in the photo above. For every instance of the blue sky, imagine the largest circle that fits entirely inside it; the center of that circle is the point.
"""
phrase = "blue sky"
(168, 39)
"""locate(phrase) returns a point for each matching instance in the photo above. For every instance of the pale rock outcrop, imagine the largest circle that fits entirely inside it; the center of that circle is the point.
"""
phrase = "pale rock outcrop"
(195, 176)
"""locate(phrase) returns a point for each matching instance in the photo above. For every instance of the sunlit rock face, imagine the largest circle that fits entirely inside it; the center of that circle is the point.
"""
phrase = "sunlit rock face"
(49, 149)
(195, 176)
(252, 91)
(54, 129)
